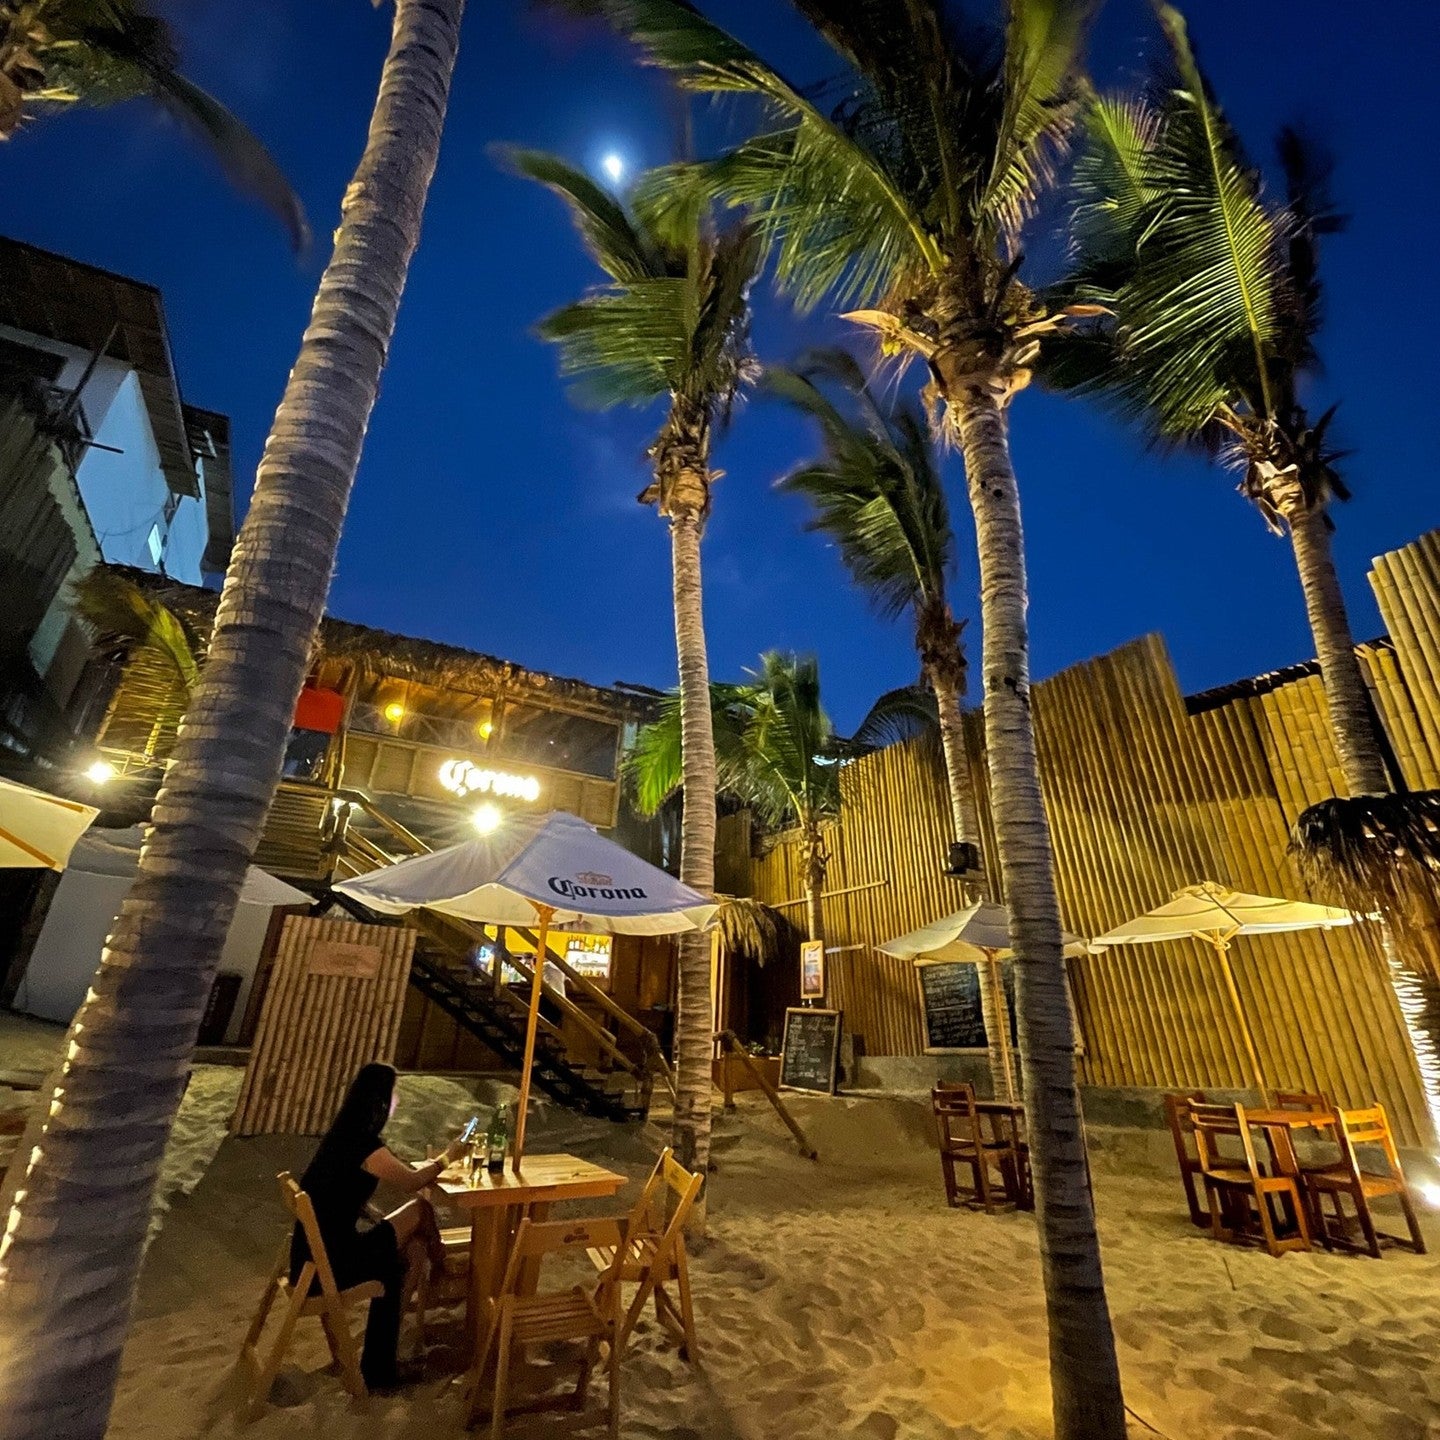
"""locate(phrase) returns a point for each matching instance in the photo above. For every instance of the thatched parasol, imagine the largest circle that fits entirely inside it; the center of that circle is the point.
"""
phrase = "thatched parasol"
(1372, 852)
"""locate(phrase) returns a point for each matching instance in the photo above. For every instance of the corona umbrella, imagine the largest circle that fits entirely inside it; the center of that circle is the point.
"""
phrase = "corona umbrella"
(554, 869)
(38, 829)
(1215, 914)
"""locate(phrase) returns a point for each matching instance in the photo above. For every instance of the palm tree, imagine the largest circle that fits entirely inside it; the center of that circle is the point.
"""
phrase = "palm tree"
(1215, 295)
(55, 53)
(877, 493)
(672, 322)
(75, 1235)
(776, 751)
(906, 198)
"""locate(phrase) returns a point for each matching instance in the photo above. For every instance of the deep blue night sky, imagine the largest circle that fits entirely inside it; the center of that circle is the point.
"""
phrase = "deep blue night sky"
(491, 513)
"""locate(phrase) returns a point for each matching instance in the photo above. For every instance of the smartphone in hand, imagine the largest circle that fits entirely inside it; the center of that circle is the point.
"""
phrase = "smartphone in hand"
(471, 1126)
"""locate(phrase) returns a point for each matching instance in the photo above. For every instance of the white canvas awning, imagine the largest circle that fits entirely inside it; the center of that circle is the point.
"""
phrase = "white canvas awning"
(1215, 913)
(38, 829)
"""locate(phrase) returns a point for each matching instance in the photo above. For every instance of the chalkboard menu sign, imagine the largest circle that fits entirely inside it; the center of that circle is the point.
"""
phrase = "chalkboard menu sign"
(953, 1019)
(810, 1053)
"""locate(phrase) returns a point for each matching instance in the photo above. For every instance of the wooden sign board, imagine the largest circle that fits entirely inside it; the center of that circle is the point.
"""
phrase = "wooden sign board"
(338, 957)
(334, 1000)
(810, 1051)
(950, 996)
(812, 970)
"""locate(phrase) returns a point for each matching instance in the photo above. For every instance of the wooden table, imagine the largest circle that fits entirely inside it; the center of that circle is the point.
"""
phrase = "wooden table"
(1280, 1125)
(499, 1200)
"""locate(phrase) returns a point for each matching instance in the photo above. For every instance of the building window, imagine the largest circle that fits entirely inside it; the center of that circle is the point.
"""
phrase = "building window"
(156, 544)
(560, 741)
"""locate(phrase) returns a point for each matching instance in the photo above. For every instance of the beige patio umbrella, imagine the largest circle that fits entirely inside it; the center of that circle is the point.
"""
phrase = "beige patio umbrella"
(1216, 914)
(979, 932)
(38, 829)
(553, 869)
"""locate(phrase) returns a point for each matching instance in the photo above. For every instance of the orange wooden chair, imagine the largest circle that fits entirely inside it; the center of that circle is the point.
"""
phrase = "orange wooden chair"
(966, 1140)
(1237, 1187)
(589, 1316)
(655, 1255)
(332, 1307)
(1370, 1128)
(1182, 1132)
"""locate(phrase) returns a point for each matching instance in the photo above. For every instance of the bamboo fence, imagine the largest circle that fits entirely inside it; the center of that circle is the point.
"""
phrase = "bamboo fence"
(317, 1029)
(1147, 792)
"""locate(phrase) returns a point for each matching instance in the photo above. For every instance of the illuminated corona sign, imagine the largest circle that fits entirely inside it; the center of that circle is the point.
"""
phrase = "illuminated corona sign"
(464, 777)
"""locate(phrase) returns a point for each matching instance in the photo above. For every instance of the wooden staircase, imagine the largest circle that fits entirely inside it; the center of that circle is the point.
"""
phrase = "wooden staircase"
(623, 1057)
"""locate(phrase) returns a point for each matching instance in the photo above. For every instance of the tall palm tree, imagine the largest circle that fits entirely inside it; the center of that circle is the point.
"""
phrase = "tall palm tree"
(72, 1248)
(55, 53)
(671, 322)
(906, 198)
(1214, 297)
(776, 751)
(1215, 294)
(877, 493)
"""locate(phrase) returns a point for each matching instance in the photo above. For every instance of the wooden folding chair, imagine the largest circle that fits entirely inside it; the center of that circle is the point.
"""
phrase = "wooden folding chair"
(1369, 1127)
(1182, 1132)
(963, 1139)
(655, 1255)
(1236, 1183)
(591, 1316)
(332, 1306)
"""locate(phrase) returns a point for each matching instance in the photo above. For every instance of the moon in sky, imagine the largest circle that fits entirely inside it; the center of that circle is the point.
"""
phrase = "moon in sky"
(613, 166)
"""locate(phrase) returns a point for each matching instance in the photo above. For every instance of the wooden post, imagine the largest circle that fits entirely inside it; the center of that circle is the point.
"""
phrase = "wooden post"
(1222, 949)
(536, 985)
(728, 1037)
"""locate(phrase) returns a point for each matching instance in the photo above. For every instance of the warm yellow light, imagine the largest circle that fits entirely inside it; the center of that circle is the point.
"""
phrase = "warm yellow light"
(394, 712)
(99, 772)
(486, 818)
(485, 729)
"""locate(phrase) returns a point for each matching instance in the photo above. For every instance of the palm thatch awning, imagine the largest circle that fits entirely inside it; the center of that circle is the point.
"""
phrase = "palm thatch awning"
(1372, 852)
(748, 927)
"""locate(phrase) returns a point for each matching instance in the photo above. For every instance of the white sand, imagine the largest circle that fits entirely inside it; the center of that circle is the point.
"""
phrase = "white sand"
(834, 1300)
(840, 1300)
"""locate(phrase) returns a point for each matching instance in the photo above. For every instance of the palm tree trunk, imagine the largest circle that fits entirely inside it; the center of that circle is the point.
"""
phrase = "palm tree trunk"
(813, 861)
(75, 1237)
(967, 828)
(1346, 693)
(693, 1033)
(1084, 1374)
(1357, 741)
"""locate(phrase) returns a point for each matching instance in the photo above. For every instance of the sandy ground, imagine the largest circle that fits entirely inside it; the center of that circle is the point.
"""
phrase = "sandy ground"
(838, 1299)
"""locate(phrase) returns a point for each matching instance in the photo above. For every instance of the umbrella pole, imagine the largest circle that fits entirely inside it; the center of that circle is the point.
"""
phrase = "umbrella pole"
(531, 1025)
(1222, 949)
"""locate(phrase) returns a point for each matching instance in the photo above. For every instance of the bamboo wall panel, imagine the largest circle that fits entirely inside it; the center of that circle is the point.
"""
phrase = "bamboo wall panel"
(1143, 797)
(317, 1029)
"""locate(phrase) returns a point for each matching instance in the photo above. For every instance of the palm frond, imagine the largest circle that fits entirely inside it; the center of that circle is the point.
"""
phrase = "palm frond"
(876, 491)
(655, 766)
(121, 614)
(611, 240)
(1112, 184)
(1044, 45)
(99, 52)
(780, 176)
(246, 163)
(626, 347)
(906, 713)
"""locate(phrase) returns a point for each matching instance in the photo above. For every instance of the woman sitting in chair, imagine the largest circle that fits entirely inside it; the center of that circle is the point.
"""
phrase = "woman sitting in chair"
(348, 1165)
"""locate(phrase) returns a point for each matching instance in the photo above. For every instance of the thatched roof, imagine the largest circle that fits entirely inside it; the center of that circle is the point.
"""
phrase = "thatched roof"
(1371, 852)
(407, 657)
(748, 927)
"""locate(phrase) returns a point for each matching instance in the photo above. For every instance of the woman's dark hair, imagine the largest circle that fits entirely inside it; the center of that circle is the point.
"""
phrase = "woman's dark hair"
(366, 1106)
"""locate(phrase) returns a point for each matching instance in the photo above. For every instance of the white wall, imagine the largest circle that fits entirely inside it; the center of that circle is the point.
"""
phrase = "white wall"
(125, 492)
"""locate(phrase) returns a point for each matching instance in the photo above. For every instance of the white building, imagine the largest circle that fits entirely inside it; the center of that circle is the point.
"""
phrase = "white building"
(99, 459)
